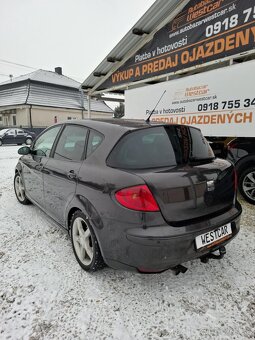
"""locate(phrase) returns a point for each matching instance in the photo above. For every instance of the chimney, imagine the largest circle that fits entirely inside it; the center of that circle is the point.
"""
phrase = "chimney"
(58, 70)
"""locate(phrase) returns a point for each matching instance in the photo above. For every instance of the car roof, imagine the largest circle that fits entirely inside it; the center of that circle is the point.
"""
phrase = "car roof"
(122, 125)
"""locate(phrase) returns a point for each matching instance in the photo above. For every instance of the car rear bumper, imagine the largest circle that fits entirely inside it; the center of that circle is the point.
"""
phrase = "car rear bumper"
(162, 247)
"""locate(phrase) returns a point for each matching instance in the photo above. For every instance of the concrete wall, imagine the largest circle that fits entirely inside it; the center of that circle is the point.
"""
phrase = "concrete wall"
(46, 116)
(22, 117)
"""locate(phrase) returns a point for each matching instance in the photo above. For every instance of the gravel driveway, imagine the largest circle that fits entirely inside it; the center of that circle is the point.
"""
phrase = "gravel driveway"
(45, 295)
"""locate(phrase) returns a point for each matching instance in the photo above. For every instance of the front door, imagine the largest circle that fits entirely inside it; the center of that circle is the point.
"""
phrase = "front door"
(61, 171)
(9, 137)
(33, 165)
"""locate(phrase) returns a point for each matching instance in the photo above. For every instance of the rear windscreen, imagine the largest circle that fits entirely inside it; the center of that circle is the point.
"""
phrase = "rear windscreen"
(160, 146)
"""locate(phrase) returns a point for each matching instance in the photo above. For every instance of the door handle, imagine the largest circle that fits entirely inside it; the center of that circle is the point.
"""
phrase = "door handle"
(46, 172)
(71, 174)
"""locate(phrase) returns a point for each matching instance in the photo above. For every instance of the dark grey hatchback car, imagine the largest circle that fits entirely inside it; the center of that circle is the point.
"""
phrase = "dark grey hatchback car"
(133, 195)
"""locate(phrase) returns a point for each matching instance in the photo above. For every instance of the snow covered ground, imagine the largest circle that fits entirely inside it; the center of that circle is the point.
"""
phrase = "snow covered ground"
(44, 294)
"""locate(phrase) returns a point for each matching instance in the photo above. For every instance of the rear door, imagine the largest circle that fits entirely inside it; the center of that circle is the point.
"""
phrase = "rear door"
(20, 136)
(61, 171)
(186, 193)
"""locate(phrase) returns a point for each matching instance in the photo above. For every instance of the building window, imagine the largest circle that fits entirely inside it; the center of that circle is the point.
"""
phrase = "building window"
(14, 122)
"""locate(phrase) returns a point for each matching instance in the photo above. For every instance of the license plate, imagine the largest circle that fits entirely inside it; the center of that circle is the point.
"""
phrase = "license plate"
(212, 237)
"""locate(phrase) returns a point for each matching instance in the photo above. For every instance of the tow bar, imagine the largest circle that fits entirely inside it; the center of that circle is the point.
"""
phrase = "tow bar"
(179, 269)
(205, 258)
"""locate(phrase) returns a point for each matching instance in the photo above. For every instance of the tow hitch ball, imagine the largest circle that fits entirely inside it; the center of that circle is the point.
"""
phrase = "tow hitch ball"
(181, 269)
(222, 252)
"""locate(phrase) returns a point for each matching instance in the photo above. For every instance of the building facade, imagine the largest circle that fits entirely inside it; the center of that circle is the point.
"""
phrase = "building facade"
(42, 98)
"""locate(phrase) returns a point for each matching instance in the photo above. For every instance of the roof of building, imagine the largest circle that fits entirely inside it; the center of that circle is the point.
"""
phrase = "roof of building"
(48, 77)
(48, 89)
(160, 13)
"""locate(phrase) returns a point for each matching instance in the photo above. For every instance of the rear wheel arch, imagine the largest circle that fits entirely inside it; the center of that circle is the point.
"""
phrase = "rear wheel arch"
(85, 243)
(83, 205)
(70, 214)
(89, 210)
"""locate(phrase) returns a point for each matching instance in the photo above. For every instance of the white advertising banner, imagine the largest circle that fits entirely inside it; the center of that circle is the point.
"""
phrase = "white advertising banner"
(220, 102)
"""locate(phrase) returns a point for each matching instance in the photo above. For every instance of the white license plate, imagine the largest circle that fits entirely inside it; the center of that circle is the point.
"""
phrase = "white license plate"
(213, 236)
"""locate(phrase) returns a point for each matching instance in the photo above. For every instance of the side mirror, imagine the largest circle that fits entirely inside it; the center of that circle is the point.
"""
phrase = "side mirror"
(39, 153)
(25, 150)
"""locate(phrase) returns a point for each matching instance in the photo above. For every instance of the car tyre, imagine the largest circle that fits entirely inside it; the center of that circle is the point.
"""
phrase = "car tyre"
(28, 141)
(1, 143)
(247, 184)
(85, 244)
(20, 189)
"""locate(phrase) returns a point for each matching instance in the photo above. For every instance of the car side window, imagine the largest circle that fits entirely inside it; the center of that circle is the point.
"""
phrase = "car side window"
(11, 132)
(44, 143)
(71, 144)
(95, 139)
(20, 132)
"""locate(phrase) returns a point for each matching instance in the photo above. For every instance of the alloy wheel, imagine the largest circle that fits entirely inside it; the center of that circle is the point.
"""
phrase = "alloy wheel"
(20, 189)
(248, 185)
(82, 241)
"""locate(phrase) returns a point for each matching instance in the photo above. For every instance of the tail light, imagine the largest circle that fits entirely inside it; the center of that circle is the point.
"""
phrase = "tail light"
(137, 198)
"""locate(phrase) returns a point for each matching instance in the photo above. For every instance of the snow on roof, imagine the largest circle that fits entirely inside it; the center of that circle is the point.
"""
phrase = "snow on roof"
(47, 92)
(45, 77)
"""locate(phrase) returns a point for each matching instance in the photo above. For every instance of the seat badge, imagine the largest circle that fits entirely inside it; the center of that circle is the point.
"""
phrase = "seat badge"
(210, 185)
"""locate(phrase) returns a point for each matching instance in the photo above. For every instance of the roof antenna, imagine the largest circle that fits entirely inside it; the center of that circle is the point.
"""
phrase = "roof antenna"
(148, 119)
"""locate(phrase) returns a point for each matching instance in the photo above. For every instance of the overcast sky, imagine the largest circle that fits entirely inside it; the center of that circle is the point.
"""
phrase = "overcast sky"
(74, 34)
